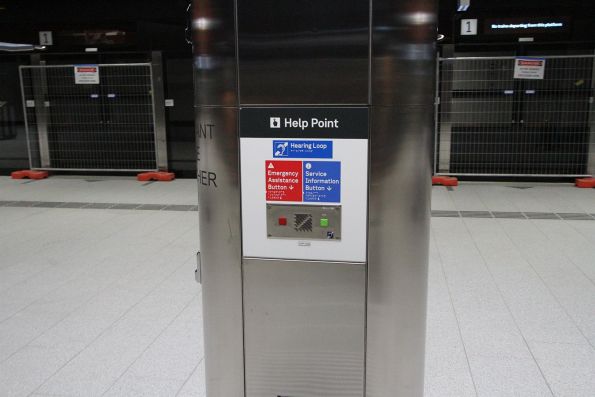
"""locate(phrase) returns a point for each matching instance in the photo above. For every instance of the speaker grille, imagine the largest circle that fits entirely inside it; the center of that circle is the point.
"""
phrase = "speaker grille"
(302, 222)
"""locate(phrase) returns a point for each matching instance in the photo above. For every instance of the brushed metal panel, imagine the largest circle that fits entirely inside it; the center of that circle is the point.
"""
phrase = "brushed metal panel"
(215, 78)
(304, 328)
(400, 187)
(214, 46)
(303, 51)
(403, 52)
(220, 242)
(402, 97)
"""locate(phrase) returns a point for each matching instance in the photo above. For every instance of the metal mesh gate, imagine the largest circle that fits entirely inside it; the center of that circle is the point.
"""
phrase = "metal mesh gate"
(489, 123)
(7, 121)
(103, 121)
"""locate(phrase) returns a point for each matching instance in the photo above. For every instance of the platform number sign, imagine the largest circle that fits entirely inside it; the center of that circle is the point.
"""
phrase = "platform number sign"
(468, 27)
(46, 38)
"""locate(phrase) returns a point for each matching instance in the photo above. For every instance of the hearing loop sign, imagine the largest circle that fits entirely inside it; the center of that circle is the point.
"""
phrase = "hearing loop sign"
(303, 149)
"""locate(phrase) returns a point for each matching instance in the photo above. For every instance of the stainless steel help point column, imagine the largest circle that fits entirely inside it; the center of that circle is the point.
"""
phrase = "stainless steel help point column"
(314, 122)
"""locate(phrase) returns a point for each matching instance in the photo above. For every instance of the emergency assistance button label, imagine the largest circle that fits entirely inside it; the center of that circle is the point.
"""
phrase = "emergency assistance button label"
(322, 181)
(284, 180)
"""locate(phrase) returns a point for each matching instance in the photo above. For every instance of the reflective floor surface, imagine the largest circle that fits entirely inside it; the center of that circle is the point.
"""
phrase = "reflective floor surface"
(97, 293)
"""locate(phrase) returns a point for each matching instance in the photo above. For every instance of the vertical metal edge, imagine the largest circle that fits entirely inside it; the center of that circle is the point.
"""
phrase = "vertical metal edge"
(370, 50)
(239, 170)
(591, 160)
(159, 125)
(39, 92)
(25, 116)
(437, 100)
(237, 54)
(366, 280)
(242, 271)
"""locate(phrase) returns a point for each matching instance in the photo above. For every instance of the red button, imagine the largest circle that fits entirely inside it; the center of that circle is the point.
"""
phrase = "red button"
(283, 221)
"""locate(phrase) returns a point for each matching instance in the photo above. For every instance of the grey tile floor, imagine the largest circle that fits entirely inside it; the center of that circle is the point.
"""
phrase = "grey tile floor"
(100, 299)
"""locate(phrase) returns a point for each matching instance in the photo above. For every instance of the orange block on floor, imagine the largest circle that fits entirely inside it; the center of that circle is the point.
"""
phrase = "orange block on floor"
(445, 181)
(586, 183)
(29, 174)
(159, 176)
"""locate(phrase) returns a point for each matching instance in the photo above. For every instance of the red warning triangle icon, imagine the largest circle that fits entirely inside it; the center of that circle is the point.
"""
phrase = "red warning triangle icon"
(271, 166)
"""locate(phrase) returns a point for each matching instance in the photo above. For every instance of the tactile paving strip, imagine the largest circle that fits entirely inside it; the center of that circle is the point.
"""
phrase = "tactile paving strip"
(513, 215)
(98, 206)
(178, 207)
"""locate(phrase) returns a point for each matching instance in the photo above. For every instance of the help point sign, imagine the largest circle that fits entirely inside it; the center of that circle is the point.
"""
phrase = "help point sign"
(529, 68)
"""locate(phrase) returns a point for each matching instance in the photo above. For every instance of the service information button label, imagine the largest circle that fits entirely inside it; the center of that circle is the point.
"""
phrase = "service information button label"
(322, 181)
(283, 180)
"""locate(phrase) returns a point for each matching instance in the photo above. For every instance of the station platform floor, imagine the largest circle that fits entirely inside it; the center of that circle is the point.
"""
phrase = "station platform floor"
(98, 298)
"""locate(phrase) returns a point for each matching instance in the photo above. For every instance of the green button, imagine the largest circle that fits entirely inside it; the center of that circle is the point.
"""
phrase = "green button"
(324, 222)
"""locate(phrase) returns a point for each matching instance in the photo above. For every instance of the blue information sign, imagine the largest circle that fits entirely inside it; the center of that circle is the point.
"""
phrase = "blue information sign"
(294, 149)
(322, 181)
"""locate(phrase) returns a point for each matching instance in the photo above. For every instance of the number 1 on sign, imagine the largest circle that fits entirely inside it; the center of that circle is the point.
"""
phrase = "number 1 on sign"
(46, 38)
(468, 27)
